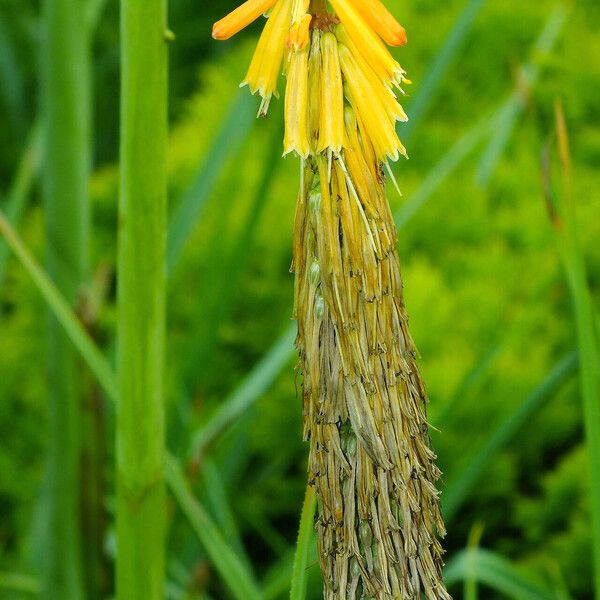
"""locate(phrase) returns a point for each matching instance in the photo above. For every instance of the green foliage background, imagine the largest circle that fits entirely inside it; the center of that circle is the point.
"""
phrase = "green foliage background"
(483, 283)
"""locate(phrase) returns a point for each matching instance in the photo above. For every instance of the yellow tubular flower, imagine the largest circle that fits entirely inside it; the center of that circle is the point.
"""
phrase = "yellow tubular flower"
(331, 124)
(381, 20)
(299, 33)
(381, 86)
(241, 17)
(314, 88)
(367, 42)
(296, 105)
(266, 63)
(371, 108)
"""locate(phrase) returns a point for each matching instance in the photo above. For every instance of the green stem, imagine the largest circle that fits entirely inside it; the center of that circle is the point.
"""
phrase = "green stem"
(306, 538)
(67, 118)
(141, 302)
(573, 261)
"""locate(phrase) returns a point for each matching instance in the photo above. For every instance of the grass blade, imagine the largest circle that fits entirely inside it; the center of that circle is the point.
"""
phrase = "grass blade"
(459, 488)
(306, 538)
(496, 572)
(12, 85)
(471, 591)
(479, 372)
(257, 382)
(428, 87)
(571, 254)
(21, 187)
(232, 571)
(235, 127)
(93, 13)
(62, 311)
(15, 582)
(217, 501)
(528, 75)
(67, 121)
(442, 170)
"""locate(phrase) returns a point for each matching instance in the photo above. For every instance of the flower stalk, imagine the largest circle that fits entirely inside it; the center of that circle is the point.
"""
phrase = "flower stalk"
(141, 303)
(370, 460)
(65, 181)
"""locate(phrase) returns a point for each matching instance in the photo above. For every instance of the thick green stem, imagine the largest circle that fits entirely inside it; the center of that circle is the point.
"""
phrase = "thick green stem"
(141, 302)
(66, 112)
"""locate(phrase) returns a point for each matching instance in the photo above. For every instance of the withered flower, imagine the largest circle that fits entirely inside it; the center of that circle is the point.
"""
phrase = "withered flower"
(370, 458)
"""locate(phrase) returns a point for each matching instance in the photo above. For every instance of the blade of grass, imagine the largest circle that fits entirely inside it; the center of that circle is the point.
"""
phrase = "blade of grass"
(140, 423)
(418, 107)
(20, 189)
(566, 228)
(16, 582)
(506, 115)
(234, 129)
(82, 341)
(217, 500)
(496, 572)
(255, 384)
(277, 580)
(63, 312)
(93, 13)
(12, 85)
(517, 101)
(471, 591)
(306, 538)
(442, 170)
(66, 115)
(226, 561)
(458, 489)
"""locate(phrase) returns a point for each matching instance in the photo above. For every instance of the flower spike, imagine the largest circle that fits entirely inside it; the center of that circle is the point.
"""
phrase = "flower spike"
(370, 459)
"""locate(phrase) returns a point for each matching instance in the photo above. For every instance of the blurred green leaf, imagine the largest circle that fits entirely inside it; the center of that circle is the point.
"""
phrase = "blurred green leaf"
(252, 387)
(442, 170)
(16, 582)
(234, 130)
(566, 229)
(460, 486)
(229, 263)
(306, 538)
(233, 572)
(506, 118)
(217, 501)
(62, 311)
(21, 186)
(444, 57)
(496, 572)
(12, 86)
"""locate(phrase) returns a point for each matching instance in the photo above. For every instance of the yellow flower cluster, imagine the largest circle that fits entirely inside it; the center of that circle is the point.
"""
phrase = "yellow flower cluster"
(350, 64)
